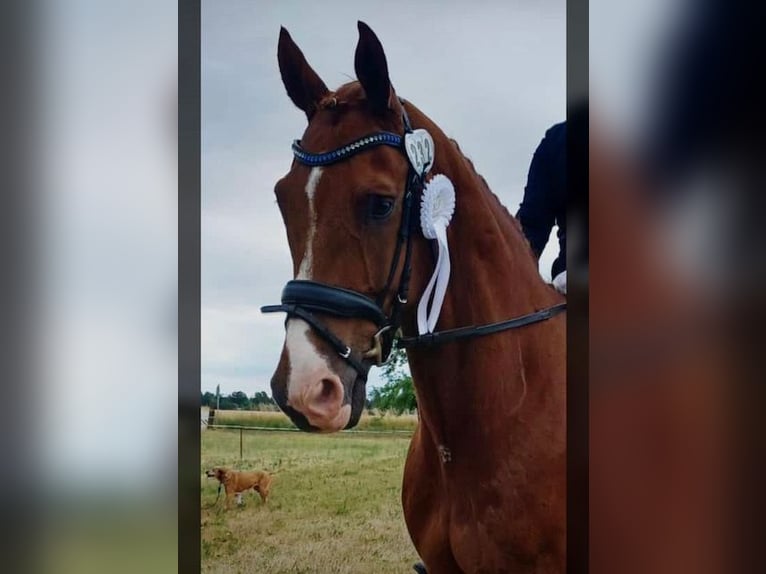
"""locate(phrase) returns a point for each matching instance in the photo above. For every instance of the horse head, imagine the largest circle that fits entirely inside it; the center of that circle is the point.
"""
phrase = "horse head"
(344, 221)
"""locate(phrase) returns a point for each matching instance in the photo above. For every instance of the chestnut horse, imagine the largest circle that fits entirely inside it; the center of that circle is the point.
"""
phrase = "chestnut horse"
(484, 482)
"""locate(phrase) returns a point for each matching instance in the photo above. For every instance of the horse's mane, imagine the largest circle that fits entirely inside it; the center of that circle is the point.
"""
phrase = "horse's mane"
(485, 184)
(503, 209)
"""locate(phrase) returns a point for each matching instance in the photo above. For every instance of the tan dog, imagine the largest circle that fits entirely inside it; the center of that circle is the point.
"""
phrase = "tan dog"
(236, 482)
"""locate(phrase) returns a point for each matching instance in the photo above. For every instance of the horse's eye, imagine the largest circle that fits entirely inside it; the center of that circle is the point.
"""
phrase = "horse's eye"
(379, 207)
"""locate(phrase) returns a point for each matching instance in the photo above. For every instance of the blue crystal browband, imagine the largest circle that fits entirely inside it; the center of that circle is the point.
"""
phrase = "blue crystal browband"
(346, 151)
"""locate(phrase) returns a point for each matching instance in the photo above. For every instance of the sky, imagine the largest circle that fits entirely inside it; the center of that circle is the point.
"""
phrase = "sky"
(492, 77)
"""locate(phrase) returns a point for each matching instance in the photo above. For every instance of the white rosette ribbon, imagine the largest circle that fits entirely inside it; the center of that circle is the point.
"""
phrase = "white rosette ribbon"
(436, 209)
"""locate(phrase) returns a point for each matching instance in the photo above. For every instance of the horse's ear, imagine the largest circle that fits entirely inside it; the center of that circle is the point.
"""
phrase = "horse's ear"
(372, 69)
(303, 85)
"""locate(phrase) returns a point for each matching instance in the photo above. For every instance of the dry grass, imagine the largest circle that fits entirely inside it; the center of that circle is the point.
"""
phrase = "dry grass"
(369, 421)
(335, 505)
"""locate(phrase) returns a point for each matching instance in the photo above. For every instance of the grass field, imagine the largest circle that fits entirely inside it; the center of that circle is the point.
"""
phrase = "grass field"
(335, 505)
(277, 419)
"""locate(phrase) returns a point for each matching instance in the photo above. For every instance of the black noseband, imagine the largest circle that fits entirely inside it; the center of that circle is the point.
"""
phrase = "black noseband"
(337, 301)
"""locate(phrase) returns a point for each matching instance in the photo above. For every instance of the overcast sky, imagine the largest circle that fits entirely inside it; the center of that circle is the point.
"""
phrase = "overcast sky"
(493, 77)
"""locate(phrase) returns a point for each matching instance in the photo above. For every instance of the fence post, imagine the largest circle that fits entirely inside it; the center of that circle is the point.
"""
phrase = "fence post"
(240, 443)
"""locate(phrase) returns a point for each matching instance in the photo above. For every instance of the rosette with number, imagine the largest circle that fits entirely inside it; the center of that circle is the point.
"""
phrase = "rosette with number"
(436, 209)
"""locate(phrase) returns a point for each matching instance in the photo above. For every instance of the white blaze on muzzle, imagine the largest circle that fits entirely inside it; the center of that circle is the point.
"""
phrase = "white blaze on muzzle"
(307, 368)
(306, 266)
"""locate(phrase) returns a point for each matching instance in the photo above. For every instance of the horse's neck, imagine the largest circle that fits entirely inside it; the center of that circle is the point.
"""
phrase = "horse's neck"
(494, 272)
(493, 269)
(494, 277)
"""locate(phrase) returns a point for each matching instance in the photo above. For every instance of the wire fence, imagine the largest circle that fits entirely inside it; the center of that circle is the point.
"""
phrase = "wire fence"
(288, 429)
(242, 429)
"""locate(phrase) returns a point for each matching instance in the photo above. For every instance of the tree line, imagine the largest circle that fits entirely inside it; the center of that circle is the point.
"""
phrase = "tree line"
(239, 401)
(396, 395)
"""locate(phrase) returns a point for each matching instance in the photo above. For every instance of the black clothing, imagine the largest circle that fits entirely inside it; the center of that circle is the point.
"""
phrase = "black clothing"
(545, 197)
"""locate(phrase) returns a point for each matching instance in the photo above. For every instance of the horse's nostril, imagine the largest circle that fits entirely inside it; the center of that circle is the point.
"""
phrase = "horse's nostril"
(329, 393)
(321, 402)
(325, 398)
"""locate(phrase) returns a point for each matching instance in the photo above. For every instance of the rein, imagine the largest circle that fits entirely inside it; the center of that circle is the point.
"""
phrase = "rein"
(302, 298)
(440, 337)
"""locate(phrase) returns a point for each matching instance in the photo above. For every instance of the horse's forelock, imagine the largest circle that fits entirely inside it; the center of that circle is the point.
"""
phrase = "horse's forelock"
(350, 96)
(345, 95)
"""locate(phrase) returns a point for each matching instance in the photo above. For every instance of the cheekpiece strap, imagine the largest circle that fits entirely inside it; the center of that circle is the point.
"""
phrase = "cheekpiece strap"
(405, 118)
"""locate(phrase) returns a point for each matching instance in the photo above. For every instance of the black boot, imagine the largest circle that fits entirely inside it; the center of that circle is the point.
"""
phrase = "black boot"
(419, 568)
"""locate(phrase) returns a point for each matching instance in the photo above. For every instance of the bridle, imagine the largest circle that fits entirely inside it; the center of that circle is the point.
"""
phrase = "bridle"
(302, 298)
